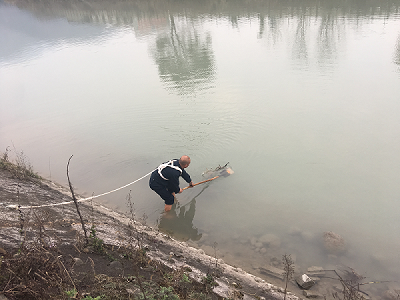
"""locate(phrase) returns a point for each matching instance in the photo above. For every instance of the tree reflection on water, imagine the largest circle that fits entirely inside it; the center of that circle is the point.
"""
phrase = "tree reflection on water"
(184, 57)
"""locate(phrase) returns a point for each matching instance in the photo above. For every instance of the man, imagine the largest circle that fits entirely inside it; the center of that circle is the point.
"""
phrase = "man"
(165, 179)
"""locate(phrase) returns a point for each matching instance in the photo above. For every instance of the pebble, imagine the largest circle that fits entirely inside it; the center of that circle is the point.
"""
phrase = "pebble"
(116, 265)
(310, 294)
(78, 261)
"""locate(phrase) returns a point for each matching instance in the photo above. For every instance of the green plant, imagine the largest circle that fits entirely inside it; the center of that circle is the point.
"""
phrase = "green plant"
(166, 293)
(71, 294)
(198, 296)
(185, 278)
(209, 280)
(97, 243)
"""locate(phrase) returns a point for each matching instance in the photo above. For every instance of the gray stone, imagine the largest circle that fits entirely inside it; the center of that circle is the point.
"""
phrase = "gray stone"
(236, 285)
(315, 271)
(2, 297)
(258, 245)
(294, 231)
(315, 279)
(304, 281)
(133, 292)
(334, 243)
(390, 295)
(310, 294)
(78, 261)
(116, 265)
(270, 240)
(272, 271)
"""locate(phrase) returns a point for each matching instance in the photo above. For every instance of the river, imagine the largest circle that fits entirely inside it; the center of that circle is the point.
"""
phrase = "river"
(302, 98)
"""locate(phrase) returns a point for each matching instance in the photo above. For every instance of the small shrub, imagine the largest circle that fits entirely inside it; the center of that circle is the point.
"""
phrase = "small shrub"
(209, 280)
(71, 294)
(185, 278)
(97, 243)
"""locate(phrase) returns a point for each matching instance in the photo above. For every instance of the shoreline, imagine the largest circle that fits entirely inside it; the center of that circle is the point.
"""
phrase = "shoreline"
(112, 226)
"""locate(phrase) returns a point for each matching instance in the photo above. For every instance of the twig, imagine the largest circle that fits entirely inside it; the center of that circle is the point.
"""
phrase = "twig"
(288, 269)
(67, 272)
(92, 265)
(140, 283)
(76, 202)
(7, 284)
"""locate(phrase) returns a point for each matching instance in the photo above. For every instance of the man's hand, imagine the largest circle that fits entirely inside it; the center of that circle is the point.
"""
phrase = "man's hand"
(180, 191)
(191, 184)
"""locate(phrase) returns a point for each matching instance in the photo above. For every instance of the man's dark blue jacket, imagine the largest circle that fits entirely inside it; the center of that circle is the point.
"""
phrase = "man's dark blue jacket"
(172, 184)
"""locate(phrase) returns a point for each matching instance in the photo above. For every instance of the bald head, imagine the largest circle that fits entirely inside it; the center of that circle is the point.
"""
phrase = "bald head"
(184, 161)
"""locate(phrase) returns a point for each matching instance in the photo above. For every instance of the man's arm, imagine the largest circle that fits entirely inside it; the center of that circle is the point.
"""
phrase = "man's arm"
(186, 177)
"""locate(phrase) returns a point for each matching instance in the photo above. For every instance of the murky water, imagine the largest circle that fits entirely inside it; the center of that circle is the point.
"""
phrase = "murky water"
(301, 98)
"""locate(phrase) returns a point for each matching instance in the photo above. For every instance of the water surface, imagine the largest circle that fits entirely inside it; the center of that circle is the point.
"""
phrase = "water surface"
(302, 99)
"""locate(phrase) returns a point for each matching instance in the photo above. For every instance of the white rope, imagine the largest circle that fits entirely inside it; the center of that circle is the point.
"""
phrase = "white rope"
(80, 200)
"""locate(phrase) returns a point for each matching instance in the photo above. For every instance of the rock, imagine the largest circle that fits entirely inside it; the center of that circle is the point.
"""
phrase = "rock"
(78, 261)
(237, 285)
(270, 240)
(334, 243)
(133, 292)
(2, 297)
(3, 252)
(390, 295)
(310, 294)
(116, 265)
(295, 231)
(304, 281)
(315, 279)
(272, 271)
(315, 271)
(178, 254)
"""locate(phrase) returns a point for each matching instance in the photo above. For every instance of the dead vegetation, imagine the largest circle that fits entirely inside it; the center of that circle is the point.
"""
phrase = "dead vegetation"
(39, 271)
(20, 167)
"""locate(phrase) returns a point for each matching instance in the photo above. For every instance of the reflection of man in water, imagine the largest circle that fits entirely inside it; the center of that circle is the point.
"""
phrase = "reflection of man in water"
(181, 225)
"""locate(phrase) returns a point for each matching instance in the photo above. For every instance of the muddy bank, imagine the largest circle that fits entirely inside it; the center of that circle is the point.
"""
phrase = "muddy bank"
(62, 224)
